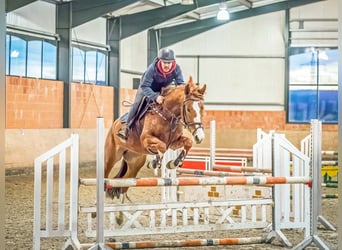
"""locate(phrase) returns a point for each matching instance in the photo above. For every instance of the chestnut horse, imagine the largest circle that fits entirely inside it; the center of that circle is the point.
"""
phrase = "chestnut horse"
(161, 128)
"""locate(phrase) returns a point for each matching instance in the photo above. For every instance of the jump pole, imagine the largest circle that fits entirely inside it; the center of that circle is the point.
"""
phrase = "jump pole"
(195, 181)
(186, 243)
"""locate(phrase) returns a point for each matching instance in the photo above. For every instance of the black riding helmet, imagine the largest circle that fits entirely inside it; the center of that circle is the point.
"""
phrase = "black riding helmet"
(166, 55)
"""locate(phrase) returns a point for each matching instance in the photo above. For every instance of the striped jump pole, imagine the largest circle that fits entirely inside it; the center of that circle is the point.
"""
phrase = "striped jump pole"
(186, 243)
(195, 181)
(241, 169)
(327, 152)
(212, 173)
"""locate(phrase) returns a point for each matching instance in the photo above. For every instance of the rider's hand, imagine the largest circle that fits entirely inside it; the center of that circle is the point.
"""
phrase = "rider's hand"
(160, 99)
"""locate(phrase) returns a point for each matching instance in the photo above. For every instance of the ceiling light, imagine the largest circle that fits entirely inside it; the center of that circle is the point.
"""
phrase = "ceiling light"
(187, 2)
(223, 14)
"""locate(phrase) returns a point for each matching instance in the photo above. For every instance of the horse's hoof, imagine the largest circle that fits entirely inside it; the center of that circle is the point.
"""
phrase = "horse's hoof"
(149, 164)
(171, 165)
(119, 219)
(113, 193)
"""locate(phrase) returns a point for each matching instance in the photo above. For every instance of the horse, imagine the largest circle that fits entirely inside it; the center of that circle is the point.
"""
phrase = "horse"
(161, 127)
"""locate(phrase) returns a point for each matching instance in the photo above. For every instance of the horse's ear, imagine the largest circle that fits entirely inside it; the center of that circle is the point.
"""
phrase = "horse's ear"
(190, 79)
(202, 90)
(187, 89)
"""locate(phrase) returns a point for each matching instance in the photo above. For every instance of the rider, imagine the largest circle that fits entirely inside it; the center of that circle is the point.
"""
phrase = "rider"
(162, 72)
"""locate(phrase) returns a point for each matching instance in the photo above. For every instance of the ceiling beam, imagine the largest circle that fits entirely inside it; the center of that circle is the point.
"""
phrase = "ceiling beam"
(174, 34)
(246, 3)
(86, 10)
(134, 23)
(12, 5)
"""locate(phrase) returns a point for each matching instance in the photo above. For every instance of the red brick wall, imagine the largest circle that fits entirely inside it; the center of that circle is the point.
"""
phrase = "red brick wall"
(267, 120)
(126, 95)
(36, 103)
(33, 103)
(88, 102)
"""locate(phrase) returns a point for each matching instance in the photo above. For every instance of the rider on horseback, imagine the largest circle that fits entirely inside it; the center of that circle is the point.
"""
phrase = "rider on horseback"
(162, 72)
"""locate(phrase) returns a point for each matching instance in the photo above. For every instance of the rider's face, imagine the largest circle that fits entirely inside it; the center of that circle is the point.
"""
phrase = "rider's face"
(166, 66)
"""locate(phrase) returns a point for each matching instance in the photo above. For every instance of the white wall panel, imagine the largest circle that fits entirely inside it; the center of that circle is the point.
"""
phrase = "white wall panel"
(318, 11)
(243, 80)
(243, 63)
(260, 35)
(324, 9)
(133, 52)
(38, 15)
(93, 31)
(189, 68)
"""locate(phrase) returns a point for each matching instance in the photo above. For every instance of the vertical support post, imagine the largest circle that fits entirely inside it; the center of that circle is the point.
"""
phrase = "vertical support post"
(113, 40)
(316, 160)
(276, 191)
(73, 212)
(74, 176)
(100, 243)
(64, 54)
(340, 120)
(2, 118)
(153, 44)
(212, 144)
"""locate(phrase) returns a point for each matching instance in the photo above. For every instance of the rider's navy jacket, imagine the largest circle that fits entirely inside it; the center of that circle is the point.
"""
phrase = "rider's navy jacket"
(153, 80)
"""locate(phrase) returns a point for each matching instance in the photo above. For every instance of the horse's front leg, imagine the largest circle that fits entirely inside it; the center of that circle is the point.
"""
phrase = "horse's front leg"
(153, 145)
(185, 143)
(156, 162)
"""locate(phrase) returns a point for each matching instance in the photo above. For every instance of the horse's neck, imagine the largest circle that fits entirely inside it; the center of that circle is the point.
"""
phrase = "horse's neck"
(174, 105)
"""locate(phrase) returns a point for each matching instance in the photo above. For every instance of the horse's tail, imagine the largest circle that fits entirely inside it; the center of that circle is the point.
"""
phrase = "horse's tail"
(122, 170)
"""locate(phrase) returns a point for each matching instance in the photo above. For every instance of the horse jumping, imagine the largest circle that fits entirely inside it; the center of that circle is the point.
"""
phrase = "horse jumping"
(161, 128)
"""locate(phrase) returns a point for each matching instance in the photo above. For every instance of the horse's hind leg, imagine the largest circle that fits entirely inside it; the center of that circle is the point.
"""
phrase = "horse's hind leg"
(134, 163)
(112, 154)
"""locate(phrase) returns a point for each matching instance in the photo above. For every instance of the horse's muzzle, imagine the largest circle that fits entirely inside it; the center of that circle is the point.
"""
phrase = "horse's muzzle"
(199, 135)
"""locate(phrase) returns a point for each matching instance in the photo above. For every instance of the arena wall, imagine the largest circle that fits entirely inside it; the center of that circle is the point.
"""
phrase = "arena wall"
(34, 109)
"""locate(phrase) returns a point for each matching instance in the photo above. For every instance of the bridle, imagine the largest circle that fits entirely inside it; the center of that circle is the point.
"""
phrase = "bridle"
(174, 120)
(186, 123)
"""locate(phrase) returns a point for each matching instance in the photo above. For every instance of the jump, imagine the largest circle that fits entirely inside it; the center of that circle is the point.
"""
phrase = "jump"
(160, 128)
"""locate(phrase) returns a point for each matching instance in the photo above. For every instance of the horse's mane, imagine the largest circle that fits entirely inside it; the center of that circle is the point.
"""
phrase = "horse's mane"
(192, 89)
(169, 89)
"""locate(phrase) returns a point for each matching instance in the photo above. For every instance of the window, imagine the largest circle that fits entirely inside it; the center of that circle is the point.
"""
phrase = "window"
(30, 56)
(313, 85)
(78, 60)
(17, 56)
(34, 59)
(49, 61)
(7, 53)
(89, 65)
(37, 57)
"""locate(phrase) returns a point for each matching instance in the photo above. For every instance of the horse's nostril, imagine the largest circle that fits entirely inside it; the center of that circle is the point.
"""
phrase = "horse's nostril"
(198, 140)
